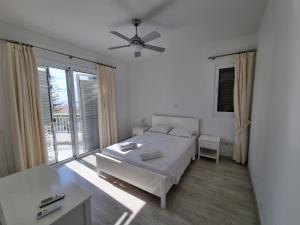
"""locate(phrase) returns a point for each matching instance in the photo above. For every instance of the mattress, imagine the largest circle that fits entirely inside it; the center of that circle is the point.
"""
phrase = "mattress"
(177, 152)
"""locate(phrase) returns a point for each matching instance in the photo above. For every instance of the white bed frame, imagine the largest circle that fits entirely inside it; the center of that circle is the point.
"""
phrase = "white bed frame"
(149, 181)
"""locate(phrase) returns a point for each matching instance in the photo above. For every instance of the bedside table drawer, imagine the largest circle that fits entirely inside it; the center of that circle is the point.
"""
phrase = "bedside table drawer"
(208, 144)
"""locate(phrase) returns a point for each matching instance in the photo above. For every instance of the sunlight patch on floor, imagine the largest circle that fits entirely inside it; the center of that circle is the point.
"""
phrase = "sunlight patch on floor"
(90, 159)
(131, 202)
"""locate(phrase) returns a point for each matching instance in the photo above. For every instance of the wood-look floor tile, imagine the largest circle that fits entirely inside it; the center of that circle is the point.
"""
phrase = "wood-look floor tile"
(208, 194)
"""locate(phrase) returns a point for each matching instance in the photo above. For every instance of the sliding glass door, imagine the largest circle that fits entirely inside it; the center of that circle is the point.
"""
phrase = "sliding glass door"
(47, 114)
(57, 112)
(85, 86)
(70, 112)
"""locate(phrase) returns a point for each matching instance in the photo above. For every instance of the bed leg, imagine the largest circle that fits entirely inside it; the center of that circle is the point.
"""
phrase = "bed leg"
(163, 193)
(193, 158)
(163, 201)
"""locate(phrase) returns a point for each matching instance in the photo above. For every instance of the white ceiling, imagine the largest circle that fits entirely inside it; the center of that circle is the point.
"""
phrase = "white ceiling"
(87, 23)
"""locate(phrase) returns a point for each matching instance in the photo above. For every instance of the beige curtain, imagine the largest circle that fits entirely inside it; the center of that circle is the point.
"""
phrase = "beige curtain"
(106, 106)
(6, 156)
(243, 87)
(22, 93)
(3, 158)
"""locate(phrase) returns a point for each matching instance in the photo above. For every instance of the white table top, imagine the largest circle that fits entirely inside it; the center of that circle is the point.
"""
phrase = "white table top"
(209, 138)
(21, 193)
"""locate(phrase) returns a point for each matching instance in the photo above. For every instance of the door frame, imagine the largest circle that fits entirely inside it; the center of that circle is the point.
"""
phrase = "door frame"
(70, 106)
(69, 68)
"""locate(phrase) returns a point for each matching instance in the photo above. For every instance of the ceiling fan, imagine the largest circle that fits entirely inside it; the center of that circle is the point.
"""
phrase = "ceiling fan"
(137, 43)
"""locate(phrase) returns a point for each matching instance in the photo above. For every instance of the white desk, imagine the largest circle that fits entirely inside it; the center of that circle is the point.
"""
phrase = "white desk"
(21, 193)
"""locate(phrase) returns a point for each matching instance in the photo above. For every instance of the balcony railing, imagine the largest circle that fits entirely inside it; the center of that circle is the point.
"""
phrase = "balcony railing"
(62, 129)
(62, 122)
(59, 137)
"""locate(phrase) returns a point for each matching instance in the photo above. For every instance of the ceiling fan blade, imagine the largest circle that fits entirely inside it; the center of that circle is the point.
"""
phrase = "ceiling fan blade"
(121, 46)
(154, 48)
(120, 35)
(137, 54)
(149, 37)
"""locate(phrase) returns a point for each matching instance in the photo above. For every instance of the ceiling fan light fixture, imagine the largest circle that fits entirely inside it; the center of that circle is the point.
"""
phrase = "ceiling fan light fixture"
(136, 47)
(136, 43)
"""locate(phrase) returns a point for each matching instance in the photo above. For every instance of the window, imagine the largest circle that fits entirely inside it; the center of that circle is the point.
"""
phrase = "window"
(224, 91)
(69, 101)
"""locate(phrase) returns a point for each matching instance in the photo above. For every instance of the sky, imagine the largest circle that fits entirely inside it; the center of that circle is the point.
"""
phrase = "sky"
(59, 84)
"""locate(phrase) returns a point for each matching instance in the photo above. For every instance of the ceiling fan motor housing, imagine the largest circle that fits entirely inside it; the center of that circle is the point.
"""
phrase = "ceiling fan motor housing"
(136, 40)
(136, 22)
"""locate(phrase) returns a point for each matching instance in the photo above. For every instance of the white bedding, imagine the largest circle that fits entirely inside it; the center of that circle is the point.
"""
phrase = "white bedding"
(176, 153)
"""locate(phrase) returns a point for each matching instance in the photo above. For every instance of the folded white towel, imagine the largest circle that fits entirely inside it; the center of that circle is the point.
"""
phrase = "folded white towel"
(127, 145)
(150, 155)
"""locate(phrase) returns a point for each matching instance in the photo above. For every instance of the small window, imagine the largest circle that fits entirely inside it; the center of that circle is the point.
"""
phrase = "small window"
(224, 91)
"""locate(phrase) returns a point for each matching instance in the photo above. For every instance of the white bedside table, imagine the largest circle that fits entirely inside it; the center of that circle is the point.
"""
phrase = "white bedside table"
(209, 146)
(139, 130)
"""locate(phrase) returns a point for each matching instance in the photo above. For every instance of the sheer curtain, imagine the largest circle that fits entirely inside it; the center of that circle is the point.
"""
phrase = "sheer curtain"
(243, 88)
(23, 105)
(107, 106)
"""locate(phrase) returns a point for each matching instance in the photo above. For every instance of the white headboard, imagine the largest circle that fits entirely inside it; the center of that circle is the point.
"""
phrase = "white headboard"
(188, 123)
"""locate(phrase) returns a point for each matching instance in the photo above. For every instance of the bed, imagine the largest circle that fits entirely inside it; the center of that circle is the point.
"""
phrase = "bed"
(155, 176)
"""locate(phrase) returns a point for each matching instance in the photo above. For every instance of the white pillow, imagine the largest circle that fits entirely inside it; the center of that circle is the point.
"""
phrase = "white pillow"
(181, 132)
(161, 128)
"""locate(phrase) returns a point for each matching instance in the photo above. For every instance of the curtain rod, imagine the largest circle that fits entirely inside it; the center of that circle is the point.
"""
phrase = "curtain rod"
(234, 53)
(58, 52)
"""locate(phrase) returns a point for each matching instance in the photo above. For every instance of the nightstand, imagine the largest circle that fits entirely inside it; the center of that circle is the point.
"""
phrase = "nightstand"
(139, 130)
(209, 146)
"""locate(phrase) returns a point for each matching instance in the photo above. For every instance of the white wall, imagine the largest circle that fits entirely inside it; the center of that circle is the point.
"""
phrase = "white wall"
(181, 81)
(122, 74)
(275, 134)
